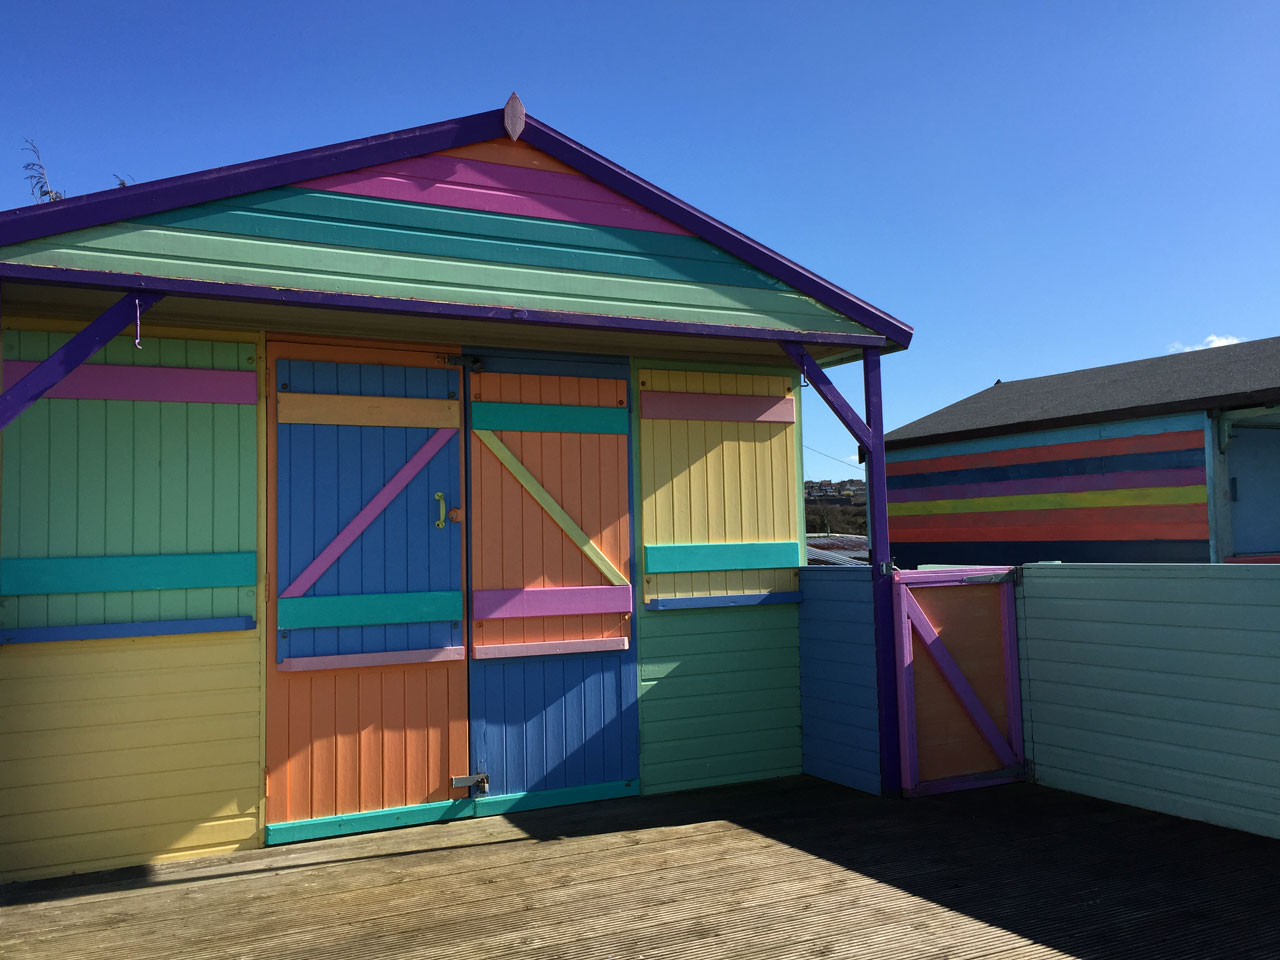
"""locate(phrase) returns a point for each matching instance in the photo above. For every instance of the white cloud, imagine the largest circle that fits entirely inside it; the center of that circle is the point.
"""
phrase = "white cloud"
(1212, 340)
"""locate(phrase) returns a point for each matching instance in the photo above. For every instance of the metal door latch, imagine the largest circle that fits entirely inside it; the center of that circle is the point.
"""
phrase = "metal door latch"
(478, 780)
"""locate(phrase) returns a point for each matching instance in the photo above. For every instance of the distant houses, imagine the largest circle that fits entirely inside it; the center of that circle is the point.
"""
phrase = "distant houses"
(845, 492)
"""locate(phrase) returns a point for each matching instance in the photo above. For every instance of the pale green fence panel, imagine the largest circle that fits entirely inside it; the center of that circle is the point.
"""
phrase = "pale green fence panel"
(1156, 685)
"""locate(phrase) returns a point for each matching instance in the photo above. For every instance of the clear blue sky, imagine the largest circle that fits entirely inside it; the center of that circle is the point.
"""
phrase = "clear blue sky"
(1036, 187)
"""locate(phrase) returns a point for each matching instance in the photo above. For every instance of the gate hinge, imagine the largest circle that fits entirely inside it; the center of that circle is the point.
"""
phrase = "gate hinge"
(478, 780)
(1009, 577)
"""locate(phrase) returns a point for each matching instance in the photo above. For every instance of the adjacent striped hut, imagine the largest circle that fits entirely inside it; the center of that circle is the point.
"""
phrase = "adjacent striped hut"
(1171, 459)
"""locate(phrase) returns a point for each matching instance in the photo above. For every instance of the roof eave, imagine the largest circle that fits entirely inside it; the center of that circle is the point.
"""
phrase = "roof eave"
(1219, 402)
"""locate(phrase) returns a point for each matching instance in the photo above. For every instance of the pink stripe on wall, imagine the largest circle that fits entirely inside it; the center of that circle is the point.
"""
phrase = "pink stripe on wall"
(496, 188)
(106, 381)
(550, 602)
(657, 405)
(346, 661)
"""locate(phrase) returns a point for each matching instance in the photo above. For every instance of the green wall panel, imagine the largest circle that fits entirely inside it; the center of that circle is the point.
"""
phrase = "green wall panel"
(342, 220)
(719, 695)
(92, 478)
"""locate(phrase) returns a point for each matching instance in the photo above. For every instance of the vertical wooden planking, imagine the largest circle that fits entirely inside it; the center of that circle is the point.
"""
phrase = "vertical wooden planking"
(298, 765)
(735, 481)
(384, 736)
(416, 748)
(122, 475)
(370, 773)
(347, 747)
(458, 761)
(118, 536)
(175, 506)
(516, 544)
(551, 722)
(323, 746)
(438, 708)
(393, 738)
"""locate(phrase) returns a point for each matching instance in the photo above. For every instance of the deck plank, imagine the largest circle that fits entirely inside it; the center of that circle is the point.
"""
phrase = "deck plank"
(785, 868)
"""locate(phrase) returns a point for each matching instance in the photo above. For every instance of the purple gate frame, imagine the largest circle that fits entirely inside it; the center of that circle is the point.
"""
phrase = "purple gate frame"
(911, 621)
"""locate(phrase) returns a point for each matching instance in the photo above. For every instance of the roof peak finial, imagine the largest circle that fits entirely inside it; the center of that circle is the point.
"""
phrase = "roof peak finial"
(513, 116)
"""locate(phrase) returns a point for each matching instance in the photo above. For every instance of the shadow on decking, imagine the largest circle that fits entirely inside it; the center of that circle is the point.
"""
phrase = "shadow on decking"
(1090, 879)
(1094, 880)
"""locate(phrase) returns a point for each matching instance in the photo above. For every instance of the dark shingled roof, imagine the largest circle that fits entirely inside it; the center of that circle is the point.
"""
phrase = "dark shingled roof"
(1239, 375)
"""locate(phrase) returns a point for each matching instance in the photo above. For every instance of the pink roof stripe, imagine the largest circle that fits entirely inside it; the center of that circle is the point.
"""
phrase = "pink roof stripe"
(496, 188)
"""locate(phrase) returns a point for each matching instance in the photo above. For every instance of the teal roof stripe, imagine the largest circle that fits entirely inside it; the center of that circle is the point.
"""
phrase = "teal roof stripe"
(344, 220)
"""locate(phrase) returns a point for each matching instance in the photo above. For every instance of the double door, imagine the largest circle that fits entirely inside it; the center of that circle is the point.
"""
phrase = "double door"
(404, 683)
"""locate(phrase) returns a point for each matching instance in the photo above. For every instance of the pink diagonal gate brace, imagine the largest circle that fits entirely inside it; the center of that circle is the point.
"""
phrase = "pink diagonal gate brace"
(368, 513)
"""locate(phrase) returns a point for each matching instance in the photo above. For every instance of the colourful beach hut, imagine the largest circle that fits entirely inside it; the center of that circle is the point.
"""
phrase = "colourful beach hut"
(446, 472)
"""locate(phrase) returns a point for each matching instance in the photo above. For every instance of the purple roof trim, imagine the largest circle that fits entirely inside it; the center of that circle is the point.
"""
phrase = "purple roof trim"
(155, 196)
(553, 142)
(216, 290)
(107, 206)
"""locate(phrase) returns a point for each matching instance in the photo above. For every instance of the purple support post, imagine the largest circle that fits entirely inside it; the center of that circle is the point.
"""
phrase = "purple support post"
(881, 575)
(73, 353)
(870, 435)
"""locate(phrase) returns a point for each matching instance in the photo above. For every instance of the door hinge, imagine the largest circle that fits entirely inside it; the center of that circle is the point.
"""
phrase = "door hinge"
(478, 780)
(474, 364)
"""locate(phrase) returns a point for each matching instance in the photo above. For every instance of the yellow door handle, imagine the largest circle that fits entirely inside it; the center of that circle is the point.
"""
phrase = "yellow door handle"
(443, 510)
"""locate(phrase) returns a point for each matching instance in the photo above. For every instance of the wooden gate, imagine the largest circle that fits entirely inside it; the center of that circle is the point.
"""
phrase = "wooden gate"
(959, 700)
(366, 679)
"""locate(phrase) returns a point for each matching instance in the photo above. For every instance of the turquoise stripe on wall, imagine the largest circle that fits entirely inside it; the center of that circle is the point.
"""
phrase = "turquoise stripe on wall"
(548, 418)
(696, 557)
(62, 575)
(296, 613)
(342, 220)
(1173, 423)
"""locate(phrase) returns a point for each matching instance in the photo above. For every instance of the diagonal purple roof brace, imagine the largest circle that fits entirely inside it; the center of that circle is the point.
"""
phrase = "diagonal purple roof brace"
(74, 352)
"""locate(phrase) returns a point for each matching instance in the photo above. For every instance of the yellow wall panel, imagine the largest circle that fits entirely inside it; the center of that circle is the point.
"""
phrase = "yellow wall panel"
(128, 751)
(717, 482)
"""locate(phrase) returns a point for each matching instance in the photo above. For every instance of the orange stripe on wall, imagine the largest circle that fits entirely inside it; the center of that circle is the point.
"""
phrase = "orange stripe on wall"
(1155, 443)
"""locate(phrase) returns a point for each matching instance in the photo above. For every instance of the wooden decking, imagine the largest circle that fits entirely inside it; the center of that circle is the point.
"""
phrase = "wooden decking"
(794, 868)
